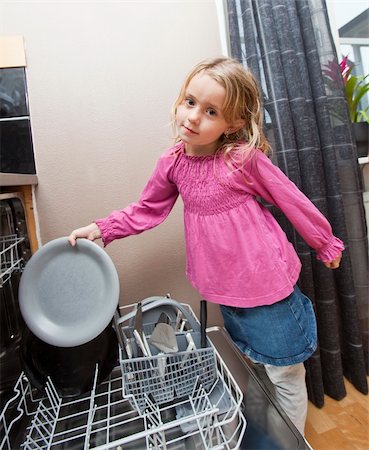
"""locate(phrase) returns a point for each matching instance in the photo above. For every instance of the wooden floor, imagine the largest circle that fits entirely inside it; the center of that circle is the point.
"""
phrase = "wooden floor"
(340, 425)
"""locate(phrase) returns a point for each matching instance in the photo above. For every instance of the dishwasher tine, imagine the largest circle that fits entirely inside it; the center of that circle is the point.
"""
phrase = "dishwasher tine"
(138, 325)
(203, 322)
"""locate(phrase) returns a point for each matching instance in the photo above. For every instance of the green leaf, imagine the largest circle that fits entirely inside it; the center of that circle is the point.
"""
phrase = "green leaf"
(350, 86)
(359, 95)
(363, 116)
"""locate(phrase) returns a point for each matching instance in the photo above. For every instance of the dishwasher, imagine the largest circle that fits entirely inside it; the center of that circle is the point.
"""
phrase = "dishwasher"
(186, 399)
(194, 403)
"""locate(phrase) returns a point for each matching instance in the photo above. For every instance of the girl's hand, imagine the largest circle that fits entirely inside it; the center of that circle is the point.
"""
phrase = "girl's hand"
(91, 232)
(333, 264)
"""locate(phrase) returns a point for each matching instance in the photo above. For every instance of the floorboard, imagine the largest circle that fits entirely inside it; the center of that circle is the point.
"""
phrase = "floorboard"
(339, 425)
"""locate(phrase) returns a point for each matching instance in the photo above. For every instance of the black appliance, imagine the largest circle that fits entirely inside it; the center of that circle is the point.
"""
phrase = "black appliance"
(15, 252)
(16, 144)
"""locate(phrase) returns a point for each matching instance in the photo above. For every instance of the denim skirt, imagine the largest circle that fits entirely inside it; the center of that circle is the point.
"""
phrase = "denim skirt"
(281, 334)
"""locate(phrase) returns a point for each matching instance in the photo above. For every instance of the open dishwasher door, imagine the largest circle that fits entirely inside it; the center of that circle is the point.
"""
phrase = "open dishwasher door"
(268, 426)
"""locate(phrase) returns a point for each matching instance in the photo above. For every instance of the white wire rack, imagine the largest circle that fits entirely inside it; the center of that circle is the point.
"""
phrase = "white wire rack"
(103, 419)
(9, 258)
(195, 404)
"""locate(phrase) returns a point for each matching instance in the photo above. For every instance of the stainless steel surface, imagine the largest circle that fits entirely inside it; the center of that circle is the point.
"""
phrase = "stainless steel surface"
(268, 427)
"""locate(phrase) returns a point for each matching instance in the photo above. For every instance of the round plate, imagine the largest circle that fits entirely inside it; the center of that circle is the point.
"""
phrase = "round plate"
(68, 295)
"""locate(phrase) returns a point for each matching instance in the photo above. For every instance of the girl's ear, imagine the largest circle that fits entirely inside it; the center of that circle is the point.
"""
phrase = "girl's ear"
(237, 125)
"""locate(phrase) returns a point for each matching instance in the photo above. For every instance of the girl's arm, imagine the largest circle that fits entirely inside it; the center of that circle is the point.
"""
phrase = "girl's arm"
(155, 203)
(270, 183)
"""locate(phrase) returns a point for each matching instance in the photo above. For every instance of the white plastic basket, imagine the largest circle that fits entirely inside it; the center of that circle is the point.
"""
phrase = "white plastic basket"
(168, 376)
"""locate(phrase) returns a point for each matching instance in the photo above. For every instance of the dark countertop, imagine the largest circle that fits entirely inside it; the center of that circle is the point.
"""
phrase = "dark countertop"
(268, 427)
(17, 179)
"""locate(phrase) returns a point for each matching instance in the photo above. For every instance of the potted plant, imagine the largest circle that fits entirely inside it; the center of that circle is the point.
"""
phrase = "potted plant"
(356, 88)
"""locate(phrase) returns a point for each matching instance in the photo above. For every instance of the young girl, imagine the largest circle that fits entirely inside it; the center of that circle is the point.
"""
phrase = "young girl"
(237, 255)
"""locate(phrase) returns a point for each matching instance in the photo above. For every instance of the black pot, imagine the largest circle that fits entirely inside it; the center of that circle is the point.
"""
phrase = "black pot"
(361, 136)
(71, 369)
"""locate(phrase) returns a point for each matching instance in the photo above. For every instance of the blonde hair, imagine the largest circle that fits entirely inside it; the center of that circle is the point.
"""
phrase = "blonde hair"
(242, 101)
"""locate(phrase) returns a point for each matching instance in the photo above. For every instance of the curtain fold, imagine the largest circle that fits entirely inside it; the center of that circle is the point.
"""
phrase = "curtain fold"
(288, 45)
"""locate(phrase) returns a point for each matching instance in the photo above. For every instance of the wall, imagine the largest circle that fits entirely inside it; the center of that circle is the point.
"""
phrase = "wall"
(102, 77)
(341, 12)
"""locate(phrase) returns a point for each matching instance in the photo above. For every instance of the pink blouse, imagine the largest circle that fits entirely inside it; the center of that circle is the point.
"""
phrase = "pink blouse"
(237, 254)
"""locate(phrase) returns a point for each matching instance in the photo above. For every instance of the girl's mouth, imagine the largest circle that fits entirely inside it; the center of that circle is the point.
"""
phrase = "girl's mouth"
(188, 130)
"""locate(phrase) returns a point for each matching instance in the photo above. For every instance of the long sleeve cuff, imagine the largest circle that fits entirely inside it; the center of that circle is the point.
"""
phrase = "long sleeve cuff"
(104, 229)
(331, 250)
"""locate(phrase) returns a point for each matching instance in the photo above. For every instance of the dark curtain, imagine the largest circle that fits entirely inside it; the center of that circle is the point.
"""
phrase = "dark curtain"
(288, 45)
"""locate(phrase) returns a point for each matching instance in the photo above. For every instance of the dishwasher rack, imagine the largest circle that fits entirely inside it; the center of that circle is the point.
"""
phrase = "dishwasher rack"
(14, 242)
(103, 419)
(10, 260)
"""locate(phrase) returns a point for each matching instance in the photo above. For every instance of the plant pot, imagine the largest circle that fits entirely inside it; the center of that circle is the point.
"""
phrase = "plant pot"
(360, 135)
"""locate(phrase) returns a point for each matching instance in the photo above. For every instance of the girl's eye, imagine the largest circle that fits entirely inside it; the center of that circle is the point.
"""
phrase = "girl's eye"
(189, 102)
(212, 112)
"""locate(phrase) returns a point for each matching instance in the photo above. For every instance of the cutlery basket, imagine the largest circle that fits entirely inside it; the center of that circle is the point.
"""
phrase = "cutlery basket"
(164, 377)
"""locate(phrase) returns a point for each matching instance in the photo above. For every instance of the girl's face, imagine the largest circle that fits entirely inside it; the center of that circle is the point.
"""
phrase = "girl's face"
(199, 116)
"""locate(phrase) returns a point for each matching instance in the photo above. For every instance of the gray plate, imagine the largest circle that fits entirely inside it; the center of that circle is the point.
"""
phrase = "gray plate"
(68, 295)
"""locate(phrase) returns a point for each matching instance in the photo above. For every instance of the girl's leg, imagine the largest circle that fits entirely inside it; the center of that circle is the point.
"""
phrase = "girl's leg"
(290, 390)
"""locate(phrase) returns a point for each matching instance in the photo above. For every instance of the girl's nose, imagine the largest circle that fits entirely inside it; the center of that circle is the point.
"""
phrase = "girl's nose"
(193, 115)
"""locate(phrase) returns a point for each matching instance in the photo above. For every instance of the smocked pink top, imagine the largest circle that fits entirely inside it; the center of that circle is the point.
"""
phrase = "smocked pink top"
(237, 254)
